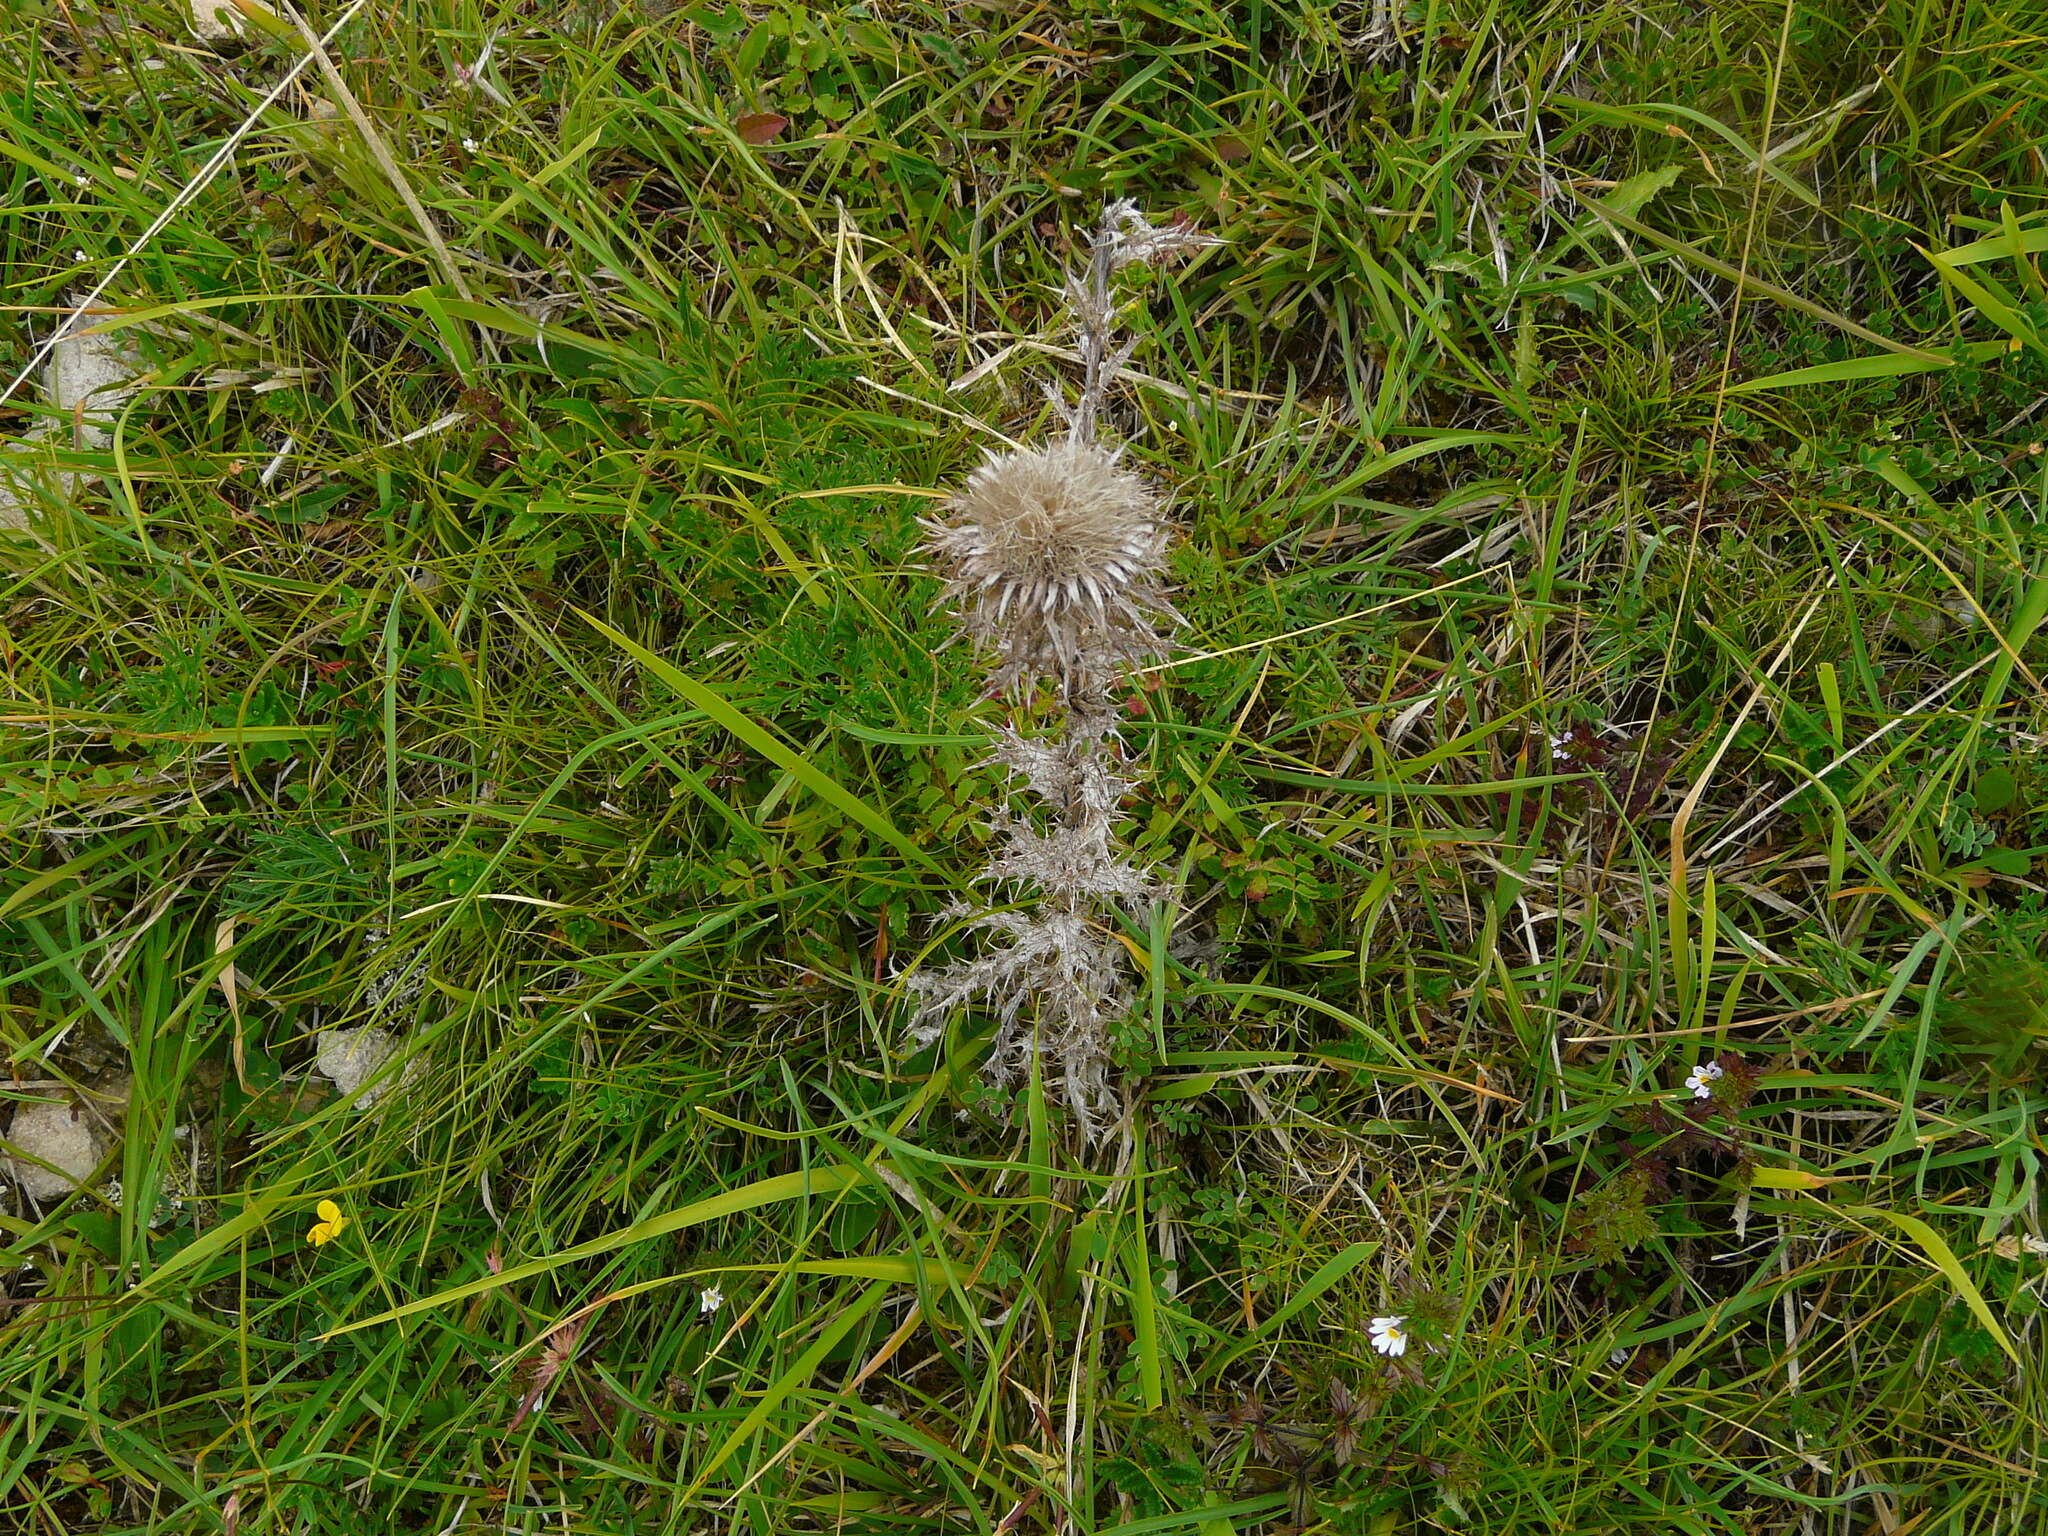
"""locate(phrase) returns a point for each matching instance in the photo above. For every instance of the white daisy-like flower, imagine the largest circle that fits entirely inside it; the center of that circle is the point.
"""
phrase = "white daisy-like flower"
(709, 1301)
(1702, 1078)
(1389, 1335)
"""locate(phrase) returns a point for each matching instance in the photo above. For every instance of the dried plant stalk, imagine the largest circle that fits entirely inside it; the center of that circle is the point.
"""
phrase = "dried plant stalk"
(1054, 562)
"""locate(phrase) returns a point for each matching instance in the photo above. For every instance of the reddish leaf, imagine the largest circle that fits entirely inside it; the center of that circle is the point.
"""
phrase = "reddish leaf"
(760, 127)
(1229, 148)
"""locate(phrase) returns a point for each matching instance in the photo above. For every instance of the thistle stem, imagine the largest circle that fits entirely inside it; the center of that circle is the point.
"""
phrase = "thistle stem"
(1096, 313)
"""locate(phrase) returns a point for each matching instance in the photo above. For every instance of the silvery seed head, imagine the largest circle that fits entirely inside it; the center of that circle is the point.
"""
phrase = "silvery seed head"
(1055, 556)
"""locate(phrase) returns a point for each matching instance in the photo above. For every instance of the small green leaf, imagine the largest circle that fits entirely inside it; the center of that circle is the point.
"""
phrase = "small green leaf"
(1995, 790)
(1637, 192)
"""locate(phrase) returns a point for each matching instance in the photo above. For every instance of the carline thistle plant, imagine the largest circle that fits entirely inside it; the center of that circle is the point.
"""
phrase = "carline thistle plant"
(1054, 563)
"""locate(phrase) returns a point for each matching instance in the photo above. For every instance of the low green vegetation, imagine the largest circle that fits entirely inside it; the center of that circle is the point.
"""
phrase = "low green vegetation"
(1602, 772)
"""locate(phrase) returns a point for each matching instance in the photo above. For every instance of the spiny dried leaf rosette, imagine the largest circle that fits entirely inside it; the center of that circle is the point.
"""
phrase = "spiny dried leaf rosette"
(1054, 559)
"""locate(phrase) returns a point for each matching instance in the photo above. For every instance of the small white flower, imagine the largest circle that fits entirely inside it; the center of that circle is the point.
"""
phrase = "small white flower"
(709, 1301)
(1390, 1335)
(79, 181)
(1702, 1078)
(1617, 1356)
(1560, 749)
(469, 145)
(80, 256)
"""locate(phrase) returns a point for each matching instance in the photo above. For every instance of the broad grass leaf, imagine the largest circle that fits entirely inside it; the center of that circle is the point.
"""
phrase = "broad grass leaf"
(1944, 1259)
(788, 1186)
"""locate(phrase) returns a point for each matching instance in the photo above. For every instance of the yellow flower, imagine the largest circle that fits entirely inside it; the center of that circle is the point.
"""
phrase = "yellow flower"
(329, 1226)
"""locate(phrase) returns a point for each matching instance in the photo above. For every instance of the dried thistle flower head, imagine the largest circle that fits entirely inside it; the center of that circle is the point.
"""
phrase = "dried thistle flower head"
(1056, 555)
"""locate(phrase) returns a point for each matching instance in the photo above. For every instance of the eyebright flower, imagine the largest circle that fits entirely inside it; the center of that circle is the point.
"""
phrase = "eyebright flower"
(1389, 1335)
(1702, 1078)
(1056, 556)
(709, 1301)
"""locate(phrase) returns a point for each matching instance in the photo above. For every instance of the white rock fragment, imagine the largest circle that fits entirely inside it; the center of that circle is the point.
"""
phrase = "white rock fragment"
(89, 377)
(19, 482)
(58, 1134)
(215, 21)
(351, 1057)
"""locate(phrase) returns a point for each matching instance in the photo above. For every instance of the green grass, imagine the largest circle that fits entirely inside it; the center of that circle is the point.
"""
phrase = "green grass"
(1569, 698)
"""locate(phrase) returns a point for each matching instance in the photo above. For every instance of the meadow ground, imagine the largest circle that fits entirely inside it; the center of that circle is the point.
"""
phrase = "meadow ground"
(1608, 456)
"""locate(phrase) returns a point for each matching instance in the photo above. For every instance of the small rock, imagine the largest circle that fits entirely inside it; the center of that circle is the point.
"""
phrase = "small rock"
(59, 1134)
(88, 378)
(215, 21)
(351, 1057)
